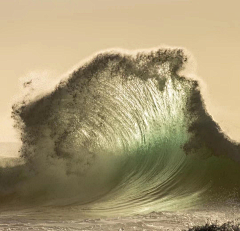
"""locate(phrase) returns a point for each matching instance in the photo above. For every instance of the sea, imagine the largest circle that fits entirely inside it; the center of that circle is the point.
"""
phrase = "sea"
(122, 142)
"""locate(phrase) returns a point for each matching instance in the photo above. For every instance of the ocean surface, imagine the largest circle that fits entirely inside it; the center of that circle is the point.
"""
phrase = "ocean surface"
(124, 142)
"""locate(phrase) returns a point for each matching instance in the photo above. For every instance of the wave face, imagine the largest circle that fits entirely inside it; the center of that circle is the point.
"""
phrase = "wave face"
(124, 133)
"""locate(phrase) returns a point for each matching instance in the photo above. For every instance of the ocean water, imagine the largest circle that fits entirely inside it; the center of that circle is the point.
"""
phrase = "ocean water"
(124, 142)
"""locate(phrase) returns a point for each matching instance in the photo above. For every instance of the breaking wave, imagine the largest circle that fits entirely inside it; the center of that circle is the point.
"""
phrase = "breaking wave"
(124, 133)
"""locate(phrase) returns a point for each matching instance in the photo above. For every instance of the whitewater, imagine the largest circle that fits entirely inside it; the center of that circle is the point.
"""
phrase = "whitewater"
(124, 142)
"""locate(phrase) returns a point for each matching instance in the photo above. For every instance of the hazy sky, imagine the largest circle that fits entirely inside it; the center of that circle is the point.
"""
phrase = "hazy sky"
(51, 36)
